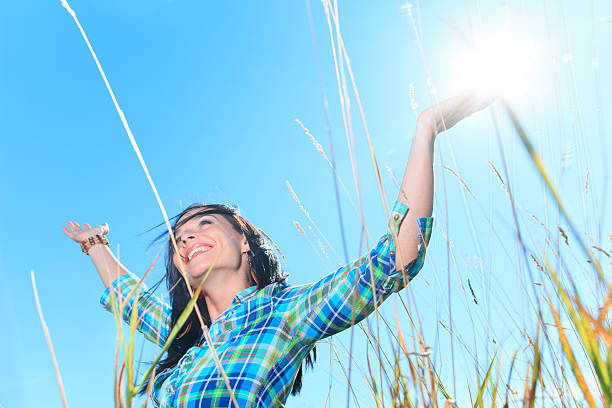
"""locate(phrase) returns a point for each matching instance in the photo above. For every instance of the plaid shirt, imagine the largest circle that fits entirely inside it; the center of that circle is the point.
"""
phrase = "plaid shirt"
(263, 337)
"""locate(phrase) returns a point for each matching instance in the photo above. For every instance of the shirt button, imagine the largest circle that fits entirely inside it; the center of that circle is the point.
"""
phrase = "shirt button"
(387, 286)
(396, 217)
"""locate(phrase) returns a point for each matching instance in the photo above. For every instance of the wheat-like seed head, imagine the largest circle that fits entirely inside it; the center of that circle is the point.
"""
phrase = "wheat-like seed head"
(413, 103)
(298, 226)
(406, 9)
(316, 144)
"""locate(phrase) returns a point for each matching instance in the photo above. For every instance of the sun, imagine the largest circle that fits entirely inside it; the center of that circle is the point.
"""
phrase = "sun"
(498, 63)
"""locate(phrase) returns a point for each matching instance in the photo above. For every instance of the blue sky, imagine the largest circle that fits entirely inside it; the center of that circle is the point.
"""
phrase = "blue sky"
(211, 92)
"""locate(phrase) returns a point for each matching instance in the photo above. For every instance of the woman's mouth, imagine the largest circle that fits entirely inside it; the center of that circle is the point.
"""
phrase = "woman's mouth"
(196, 250)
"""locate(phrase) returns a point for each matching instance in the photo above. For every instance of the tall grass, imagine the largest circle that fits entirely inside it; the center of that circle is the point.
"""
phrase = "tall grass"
(564, 359)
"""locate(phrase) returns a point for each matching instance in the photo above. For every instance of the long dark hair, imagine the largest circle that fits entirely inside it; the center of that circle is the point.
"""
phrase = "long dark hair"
(266, 270)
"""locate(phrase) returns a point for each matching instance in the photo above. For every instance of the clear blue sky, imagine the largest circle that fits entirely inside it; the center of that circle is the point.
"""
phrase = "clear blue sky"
(211, 91)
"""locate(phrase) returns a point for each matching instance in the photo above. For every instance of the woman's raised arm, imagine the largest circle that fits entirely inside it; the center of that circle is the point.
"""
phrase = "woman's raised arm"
(153, 314)
(108, 266)
(417, 187)
(350, 294)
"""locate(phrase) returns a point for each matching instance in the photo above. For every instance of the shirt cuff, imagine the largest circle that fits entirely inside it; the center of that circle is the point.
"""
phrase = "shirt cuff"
(398, 213)
(425, 229)
(395, 280)
(122, 286)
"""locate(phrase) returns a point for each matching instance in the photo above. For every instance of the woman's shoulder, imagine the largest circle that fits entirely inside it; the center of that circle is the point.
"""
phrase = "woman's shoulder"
(283, 292)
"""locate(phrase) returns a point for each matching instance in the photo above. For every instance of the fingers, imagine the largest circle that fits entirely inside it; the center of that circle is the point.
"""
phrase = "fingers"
(74, 229)
(73, 226)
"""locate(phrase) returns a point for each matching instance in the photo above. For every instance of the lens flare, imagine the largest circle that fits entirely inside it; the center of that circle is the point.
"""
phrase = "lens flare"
(501, 64)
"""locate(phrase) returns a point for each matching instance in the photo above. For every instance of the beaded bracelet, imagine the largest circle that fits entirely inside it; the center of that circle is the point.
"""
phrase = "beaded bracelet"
(93, 240)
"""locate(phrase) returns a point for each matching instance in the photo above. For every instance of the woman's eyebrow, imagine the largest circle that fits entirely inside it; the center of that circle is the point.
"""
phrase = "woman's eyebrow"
(197, 217)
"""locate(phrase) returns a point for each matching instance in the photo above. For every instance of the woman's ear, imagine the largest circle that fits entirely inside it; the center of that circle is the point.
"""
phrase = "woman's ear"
(244, 245)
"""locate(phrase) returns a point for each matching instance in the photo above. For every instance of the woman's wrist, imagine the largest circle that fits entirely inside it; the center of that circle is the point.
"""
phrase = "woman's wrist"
(425, 129)
(92, 241)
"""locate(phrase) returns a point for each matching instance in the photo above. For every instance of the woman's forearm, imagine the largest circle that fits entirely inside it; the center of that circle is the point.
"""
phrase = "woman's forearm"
(417, 186)
(416, 190)
(108, 266)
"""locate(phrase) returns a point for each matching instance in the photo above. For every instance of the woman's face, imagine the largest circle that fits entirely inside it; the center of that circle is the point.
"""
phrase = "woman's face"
(205, 241)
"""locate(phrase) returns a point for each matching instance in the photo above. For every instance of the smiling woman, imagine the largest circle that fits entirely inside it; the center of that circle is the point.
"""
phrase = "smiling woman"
(261, 328)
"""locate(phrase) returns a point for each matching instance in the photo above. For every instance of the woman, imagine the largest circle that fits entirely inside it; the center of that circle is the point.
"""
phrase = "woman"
(261, 328)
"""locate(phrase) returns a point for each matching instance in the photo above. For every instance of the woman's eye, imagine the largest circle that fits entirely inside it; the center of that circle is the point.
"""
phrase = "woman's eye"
(202, 222)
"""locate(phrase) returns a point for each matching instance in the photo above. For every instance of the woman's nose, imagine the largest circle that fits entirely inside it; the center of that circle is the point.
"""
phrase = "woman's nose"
(187, 238)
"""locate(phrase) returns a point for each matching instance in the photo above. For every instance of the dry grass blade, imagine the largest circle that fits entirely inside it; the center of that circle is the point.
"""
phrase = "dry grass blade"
(498, 175)
(49, 343)
(149, 389)
(587, 336)
(344, 53)
(373, 383)
(298, 227)
(454, 173)
(567, 349)
(597, 326)
(564, 235)
(533, 258)
(119, 385)
(603, 311)
(337, 177)
(297, 200)
(413, 104)
(586, 182)
(483, 386)
(535, 158)
(179, 325)
(572, 359)
(496, 386)
(601, 250)
(276, 248)
(539, 222)
(316, 144)
(472, 291)
(508, 390)
(536, 365)
(152, 184)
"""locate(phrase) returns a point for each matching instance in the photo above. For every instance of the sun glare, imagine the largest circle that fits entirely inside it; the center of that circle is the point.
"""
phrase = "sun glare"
(500, 64)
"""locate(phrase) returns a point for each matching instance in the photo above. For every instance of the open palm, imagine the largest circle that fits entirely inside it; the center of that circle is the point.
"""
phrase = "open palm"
(78, 234)
(449, 112)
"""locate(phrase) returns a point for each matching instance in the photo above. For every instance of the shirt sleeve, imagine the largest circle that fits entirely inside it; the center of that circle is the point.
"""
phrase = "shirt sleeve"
(328, 306)
(153, 314)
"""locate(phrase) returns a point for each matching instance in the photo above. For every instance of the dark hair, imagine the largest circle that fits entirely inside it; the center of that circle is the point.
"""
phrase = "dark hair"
(266, 269)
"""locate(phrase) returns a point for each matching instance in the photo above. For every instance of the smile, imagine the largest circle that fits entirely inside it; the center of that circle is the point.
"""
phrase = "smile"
(196, 250)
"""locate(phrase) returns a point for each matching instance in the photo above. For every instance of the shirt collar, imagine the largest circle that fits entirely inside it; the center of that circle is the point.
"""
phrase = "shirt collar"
(244, 295)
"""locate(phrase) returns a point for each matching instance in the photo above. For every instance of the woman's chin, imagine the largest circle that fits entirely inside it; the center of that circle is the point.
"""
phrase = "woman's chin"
(196, 277)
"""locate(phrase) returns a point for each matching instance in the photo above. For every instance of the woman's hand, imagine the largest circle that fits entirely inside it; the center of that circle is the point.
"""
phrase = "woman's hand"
(109, 268)
(78, 234)
(449, 112)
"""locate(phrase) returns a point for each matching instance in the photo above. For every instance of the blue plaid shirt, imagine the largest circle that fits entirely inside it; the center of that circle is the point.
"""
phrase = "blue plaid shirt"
(263, 337)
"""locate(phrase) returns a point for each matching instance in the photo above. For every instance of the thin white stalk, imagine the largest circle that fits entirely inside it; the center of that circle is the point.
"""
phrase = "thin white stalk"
(146, 170)
(48, 338)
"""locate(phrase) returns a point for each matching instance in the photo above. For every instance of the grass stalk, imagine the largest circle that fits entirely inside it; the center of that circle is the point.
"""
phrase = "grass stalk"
(58, 376)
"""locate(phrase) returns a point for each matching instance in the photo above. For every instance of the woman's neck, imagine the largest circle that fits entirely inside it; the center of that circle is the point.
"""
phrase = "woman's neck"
(220, 289)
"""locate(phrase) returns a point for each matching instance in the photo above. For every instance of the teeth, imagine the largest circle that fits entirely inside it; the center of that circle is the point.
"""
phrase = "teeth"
(196, 250)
